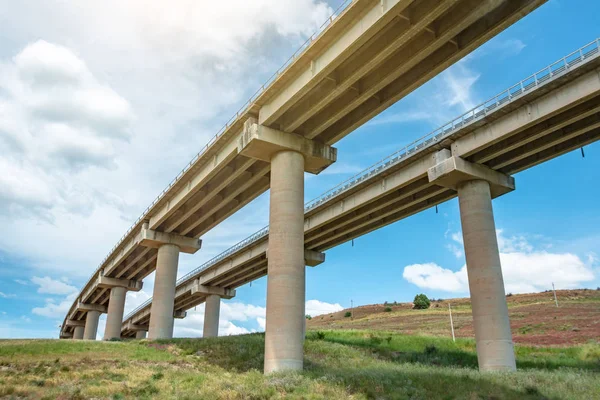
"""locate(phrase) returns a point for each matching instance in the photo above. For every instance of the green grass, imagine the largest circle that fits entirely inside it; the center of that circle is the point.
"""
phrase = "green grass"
(338, 365)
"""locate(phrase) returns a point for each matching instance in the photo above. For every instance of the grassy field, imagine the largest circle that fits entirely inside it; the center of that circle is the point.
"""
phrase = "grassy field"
(338, 365)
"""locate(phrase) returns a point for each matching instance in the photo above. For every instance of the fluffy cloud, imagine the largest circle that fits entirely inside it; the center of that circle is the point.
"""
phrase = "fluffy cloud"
(52, 309)
(82, 126)
(316, 307)
(524, 269)
(52, 286)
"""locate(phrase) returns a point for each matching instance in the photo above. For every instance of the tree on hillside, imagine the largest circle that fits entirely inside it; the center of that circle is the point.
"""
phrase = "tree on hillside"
(421, 302)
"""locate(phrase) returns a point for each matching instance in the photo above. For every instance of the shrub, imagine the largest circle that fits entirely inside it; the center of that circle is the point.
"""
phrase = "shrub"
(348, 314)
(430, 349)
(387, 309)
(509, 295)
(320, 335)
(308, 317)
(421, 302)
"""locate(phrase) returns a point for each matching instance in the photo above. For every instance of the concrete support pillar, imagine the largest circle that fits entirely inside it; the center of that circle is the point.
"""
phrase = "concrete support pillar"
(161, 312)
(211, 316)
(78, 333)
(140, 335)
(286, 271)
(490, 313)
(91, 325)
(114, 317)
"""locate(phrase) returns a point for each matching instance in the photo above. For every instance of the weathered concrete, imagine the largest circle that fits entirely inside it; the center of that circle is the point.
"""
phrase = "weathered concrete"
(91, 325)
(161, 318)
(211, 316)
(286, 270)
(490, 313)
(78, 333)
(114, 317)
(140, 335)
(262, 143)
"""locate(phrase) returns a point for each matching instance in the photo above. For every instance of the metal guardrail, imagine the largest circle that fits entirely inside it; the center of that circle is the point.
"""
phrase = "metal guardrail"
(554, 70)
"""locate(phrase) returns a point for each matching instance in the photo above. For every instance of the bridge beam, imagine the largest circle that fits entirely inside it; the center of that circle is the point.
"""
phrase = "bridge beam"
(476, 186)
(91, 325)
(116, 303)
(169, 245)
(290, 155)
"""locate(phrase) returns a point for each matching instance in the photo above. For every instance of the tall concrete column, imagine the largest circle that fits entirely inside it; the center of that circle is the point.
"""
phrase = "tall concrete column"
(91, 325)
(286, 272)
(490, 313)
(78, 333)
(211, 316)
(161, 312)
(114, 317)
(140, 335)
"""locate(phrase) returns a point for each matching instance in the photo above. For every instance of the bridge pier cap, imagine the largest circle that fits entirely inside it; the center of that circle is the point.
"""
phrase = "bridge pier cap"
(476, 186)
(262, 143)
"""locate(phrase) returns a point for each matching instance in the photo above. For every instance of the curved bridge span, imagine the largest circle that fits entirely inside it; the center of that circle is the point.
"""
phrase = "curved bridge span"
(365, 58)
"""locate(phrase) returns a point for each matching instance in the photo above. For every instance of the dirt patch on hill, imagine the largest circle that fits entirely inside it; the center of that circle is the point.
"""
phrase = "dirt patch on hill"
(535, 319)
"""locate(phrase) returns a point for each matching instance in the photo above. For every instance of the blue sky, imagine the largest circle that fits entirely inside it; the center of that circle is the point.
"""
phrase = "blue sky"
(56, 235)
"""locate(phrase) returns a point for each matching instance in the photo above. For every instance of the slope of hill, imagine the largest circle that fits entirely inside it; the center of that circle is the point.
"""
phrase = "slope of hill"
(535, 319)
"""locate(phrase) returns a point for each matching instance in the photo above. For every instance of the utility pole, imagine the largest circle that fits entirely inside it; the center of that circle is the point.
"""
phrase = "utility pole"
(555, 299)
(451, 323)
(351, 310)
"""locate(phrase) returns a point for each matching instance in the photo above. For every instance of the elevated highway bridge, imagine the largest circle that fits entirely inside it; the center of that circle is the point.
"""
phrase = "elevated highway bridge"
(373, 53)
(548, 114)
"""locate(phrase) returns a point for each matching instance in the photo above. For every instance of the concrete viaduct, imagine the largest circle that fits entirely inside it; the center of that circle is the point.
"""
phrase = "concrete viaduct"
(372, 54)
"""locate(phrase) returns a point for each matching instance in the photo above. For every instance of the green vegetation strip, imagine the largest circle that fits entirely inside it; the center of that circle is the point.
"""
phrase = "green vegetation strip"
(338, 365)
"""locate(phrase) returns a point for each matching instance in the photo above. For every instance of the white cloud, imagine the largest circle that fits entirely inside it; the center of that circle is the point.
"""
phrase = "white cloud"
(316, 307)
(524, 269)
(21, 282)
(460, 80)
(85, 112)
(7, 296)
(55, 310)
(52, 286)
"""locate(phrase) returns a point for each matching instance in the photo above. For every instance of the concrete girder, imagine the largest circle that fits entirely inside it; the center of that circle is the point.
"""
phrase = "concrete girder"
(229, 208)
(377, 49)
(222, 181)
(147, 262)
(201, 176)
(250, 180)
(139, 258)
(262, 143)
(469, 39)
(340, 42)
(547, 107)
(409, 55)
(136, 327)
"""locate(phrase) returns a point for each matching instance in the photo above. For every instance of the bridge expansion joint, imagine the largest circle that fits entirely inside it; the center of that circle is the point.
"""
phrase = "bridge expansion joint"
(155, 239)
(202, 290)
(451, 171)
(261, 142)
